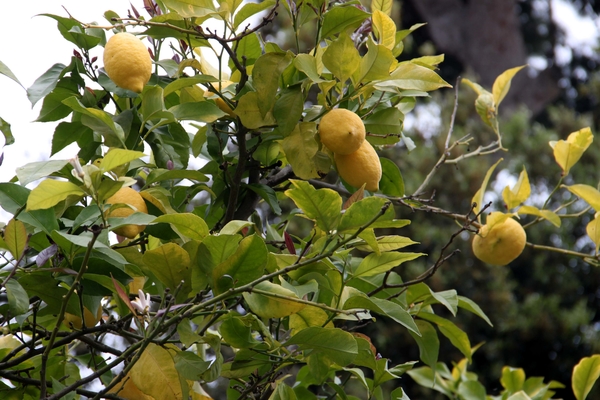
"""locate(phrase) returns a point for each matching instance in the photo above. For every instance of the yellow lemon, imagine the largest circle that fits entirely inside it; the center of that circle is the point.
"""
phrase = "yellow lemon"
(127, 62)
(361, 167)
(342, 131)
(501, 244)
(74, 321)
(132, 198)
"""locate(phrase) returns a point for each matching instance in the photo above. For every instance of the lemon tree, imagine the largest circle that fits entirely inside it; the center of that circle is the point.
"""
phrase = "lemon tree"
(244, 267)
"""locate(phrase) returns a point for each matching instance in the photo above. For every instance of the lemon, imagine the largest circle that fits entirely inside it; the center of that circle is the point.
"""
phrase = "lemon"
(74, 321)
(361, 167)
(501, 242)
(342, 131)
(133, 199)
(127, 62)
(222, 104)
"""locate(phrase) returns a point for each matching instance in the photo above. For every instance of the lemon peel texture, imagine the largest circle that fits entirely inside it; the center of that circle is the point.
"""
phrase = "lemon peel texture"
(361, 167)
(501, 244)
(127, 62)
(132, 198)
(342, 131)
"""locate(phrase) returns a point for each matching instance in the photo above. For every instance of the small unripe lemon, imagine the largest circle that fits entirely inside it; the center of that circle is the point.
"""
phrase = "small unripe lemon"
(361, 167)
(132, 198)
(74, 321)
(342, 131)
(499, 243)
(127, 62)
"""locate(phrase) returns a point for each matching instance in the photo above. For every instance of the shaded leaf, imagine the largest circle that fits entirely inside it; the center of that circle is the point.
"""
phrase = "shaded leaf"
(15, 238)
(336, 344)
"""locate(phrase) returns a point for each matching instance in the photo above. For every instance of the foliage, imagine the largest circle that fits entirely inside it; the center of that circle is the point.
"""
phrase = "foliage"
(254, 270)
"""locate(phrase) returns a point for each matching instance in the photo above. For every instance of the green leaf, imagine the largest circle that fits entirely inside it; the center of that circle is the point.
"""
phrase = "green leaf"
(389, 243)
(338, 345)
(18, 299)
(512, 379)
(360, 213)
(429, 344)
(117, 157)
(457, 336)
(391, 182)
(469, 305)
(471, 390)
(307, 63)
(191, 8)
(383, 307)
(249, 112)
(160, 175)
(376, 64)
(300, 148)
(341, 58)
(66, 133)
(4, 70)
(323, 206)
(519, 193)
(201, 111)
(385, 122)
(375, 264)
(72, 31)
(585, 374)
(33, 171)
(15, 238)
(266, 306)
(100, 121)
(13, 197)
(184, 82)
(588, 193)
(478, 197)
(288, 109)
(51, 192)
(170, 263)
(546, 214)
(384, 29)
(265, 78)
(341, 18)
(246, 264)
(502, 84)
(189, 365)
(426, 377)
(267, 194)
(7, 132)
(188, 224)
(568, 152)
(45, 83)
(237, 333)
(521, 395)
(409, 76)
(250, 9)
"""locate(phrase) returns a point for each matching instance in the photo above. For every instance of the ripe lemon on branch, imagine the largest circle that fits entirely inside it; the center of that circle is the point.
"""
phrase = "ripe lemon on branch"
(135, 202)
(127, 62)
(342, 131)
(361, 167)
(500, 240)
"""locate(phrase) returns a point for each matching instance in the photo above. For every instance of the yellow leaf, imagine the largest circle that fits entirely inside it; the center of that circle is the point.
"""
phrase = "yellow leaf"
(519, 193)
(496, 218)
(568, 152)
(50, 192)
(478, 198)
(593, 231)
(154, 374)
(585, 375)
(278, 303)
(502, 84)
(588, 193)
(546, 214)
(385, 29)
(15, 238)
(382, 5)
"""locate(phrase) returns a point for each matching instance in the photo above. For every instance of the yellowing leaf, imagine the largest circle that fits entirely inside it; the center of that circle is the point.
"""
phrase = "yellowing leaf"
(250, 114)
(187, 224)
(170, 263)
(385, 29)
(278, 303)
(593, 231)
(50, 192)
(341, 58)
(382, 5)
(502, 84)
(519, 193)
(307, 317)
(546, 214)
(15, 238)
(588, 193)
(117, 157)
(154, 374)
(585, 375)
(478, 198)
(568, 152)
(496, 218)
(300, 149)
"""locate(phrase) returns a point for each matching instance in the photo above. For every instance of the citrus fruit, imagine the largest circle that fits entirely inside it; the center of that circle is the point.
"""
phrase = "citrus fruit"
(499, 243)
(74, 321)
(133, 199)
(361, 167)
(342, 131)
(127, 62)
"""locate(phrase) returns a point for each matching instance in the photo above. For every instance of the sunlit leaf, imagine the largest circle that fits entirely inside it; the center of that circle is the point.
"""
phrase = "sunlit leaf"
(375, 264)
(187, 224)
(249, 112)
(410, 76)
(593, 231)
(275, 306)
(15, 238)
(502, 84)
(546, 214)
(341, 18)
(341, 58)
(519, 193)
(585, 375)
(478, 197)
(321, 205)
(384, 6)
(588, 193)
(512, 379)
(385, 29)
(568, 152)
(117, 157)
(50, 192)
(457, 336)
